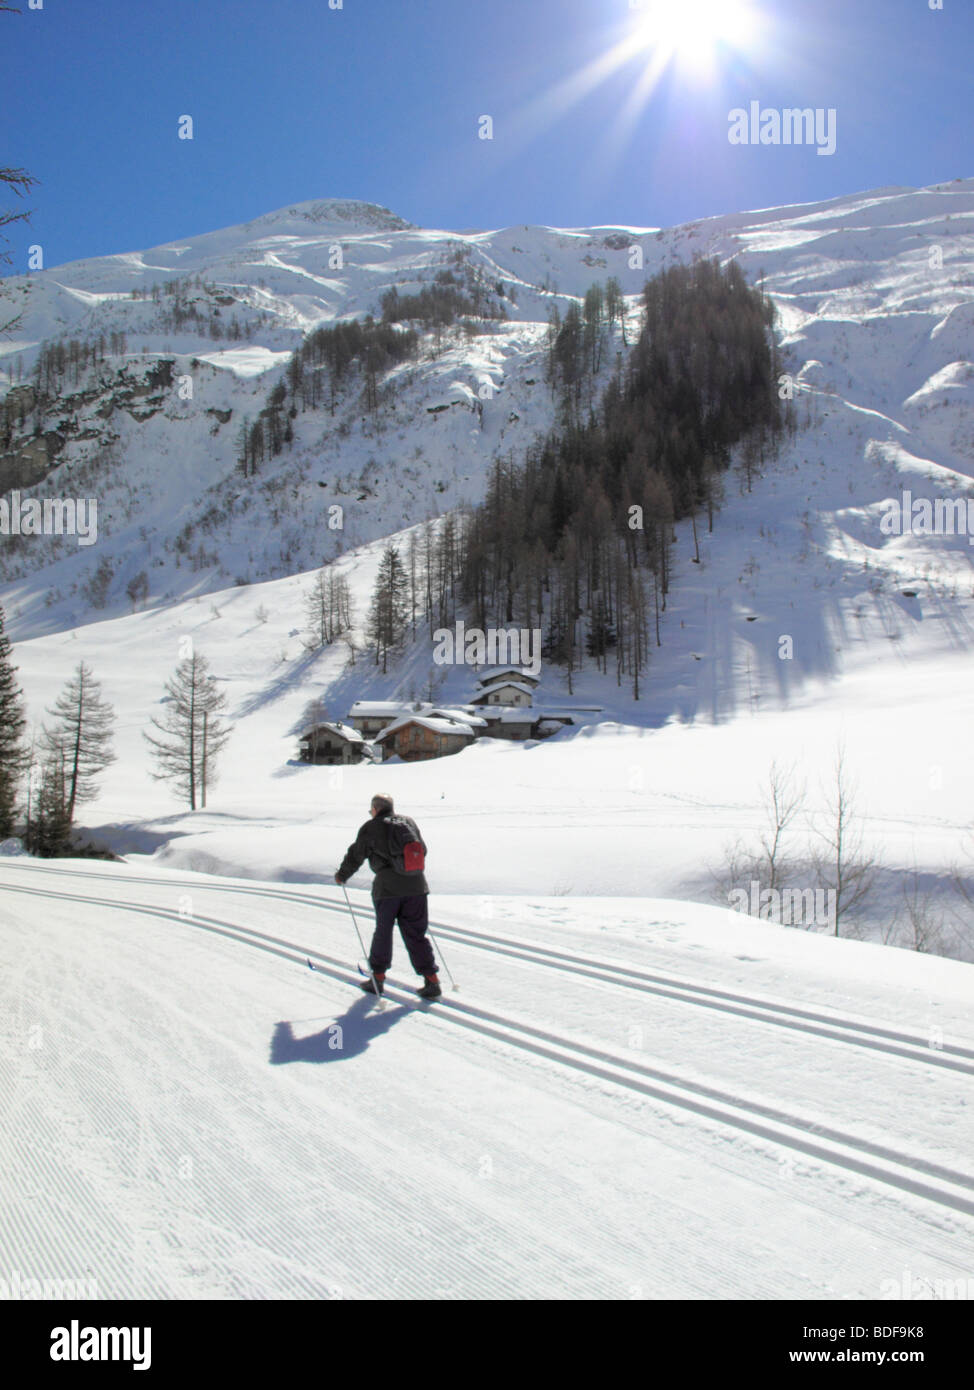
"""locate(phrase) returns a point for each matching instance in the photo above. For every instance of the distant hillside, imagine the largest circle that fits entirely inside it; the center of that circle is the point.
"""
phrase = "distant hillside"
(138, 379)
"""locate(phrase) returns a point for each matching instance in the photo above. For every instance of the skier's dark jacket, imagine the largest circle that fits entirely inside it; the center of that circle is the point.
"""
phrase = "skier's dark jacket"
(372, 842)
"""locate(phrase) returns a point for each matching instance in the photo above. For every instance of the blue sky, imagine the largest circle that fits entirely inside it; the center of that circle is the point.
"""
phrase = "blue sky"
(380, 100)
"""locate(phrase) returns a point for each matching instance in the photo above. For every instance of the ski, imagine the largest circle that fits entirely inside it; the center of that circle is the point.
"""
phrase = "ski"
(419, 999)
(368, 975)
(379, 998)
(316, 970)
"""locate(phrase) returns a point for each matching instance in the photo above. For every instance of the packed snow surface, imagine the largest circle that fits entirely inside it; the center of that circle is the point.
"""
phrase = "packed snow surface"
(626, 1098)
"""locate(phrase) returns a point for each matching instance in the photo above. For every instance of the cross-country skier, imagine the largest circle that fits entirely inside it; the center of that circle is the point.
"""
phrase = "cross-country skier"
(396, 896)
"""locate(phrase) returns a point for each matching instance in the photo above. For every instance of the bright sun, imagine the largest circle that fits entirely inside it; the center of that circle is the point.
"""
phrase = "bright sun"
(692, 31)
(695, 38)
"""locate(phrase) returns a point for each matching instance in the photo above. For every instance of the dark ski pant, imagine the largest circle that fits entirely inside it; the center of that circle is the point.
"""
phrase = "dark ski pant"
(413, 917)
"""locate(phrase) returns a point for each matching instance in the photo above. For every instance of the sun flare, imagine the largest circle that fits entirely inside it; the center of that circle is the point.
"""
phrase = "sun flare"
(691, 32)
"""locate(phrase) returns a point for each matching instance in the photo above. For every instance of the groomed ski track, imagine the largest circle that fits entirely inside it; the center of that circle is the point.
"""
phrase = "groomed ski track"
(554, 1047)
(771, 1011)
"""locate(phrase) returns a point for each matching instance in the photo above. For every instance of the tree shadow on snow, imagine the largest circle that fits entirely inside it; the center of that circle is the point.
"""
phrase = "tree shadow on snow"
(346, 1037)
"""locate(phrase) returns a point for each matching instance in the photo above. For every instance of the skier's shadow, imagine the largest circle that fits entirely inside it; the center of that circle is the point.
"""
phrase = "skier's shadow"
(348, 1036)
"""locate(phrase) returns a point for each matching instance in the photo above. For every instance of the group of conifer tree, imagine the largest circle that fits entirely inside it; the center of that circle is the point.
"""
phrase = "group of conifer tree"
(315, 376)
(575, 537)
(418, 587)
(45, 780)
(42, 783)
(363, 351)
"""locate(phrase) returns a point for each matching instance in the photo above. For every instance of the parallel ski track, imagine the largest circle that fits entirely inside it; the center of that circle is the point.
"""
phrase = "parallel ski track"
(774, 1012)
(921, 1178)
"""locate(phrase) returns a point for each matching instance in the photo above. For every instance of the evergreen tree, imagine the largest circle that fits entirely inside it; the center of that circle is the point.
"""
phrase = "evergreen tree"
(12, 725)
(49, 829)
(602, 635)
(81, 737)
(615, 306)
(551, 338)
(192, 731)
(594, 334)
(570, 360)
(388, 612)
(636, 601)
(428, 558)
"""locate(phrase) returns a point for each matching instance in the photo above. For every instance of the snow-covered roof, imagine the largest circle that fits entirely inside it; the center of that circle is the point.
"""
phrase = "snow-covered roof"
(378, 709)
(509, 714)
(344, 731)
(460, 716)
(438, 726)
(489, 676)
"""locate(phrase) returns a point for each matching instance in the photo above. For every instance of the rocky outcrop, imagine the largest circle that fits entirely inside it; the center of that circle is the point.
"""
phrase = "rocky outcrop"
(27, 457)
(30, 463)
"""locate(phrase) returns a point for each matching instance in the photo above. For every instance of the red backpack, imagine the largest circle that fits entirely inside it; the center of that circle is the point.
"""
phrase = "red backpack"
(405, 846)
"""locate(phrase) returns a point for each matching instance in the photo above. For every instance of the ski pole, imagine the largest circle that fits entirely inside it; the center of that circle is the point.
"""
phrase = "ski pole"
(436, 947)
(375, 983)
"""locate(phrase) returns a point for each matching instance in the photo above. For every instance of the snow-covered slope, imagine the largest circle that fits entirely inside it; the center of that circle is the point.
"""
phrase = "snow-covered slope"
(880, 625)
(876, 295)
(633, 1094)
(161, 459)
(624, 1100)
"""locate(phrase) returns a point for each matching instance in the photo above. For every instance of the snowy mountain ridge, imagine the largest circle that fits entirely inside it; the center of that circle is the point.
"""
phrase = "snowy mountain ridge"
(154, 429)
(346, 213)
